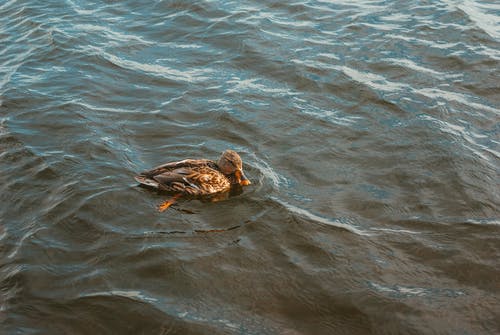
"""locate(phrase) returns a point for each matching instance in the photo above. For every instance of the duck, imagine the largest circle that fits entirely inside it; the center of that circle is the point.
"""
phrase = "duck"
(195, 177)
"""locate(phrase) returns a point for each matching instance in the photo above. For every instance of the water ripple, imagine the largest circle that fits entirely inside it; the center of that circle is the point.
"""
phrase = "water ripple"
(321, 220)
(368, 129)
(191, 76)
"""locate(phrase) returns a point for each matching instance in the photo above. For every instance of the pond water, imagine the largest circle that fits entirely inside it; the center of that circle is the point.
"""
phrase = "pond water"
(369, 130)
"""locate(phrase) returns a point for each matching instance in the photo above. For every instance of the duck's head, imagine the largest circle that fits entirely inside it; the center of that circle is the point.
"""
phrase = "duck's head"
(231, 165)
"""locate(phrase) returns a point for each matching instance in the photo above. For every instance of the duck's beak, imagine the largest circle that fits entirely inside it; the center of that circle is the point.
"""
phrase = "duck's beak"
(241, 179)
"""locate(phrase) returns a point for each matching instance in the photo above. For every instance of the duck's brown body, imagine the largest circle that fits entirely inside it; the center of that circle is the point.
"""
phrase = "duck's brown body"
(197, 177)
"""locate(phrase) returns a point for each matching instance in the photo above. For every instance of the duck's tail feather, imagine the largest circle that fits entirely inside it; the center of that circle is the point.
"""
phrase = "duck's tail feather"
(147, 181)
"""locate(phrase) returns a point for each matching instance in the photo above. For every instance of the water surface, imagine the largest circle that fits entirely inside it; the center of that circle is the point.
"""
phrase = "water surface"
(370, 131)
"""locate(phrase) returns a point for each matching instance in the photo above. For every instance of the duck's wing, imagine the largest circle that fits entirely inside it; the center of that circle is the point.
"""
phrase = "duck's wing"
(170, 180)
(178, 180)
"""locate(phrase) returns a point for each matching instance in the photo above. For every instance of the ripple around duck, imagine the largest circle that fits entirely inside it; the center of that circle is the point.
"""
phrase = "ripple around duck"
(321, 220)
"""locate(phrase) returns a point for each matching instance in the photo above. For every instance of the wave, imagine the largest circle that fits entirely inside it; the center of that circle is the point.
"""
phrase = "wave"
(321, 220)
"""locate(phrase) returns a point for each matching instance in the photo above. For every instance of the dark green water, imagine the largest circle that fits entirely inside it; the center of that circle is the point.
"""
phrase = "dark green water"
(370, 131)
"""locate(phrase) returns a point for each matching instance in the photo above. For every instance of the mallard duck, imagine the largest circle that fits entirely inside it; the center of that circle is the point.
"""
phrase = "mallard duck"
(195, 177)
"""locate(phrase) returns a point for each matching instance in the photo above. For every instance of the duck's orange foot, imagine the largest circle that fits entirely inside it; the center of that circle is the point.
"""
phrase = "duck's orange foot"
(166, 204)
